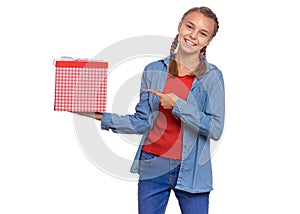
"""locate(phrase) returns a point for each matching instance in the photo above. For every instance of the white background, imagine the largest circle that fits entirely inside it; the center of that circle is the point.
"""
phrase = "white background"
(43, 169)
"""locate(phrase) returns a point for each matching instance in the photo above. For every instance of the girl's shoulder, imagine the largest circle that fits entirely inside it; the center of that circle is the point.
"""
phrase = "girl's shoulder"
(213, 68)
(214, 71)
(158, 65)
(213, 76)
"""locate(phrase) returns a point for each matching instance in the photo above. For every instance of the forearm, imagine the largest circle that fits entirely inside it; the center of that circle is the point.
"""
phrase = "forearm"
(208, 124)
(94, 115)
(125, 124)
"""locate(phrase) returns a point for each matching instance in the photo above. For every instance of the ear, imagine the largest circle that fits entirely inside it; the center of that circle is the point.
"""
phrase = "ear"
(208, 41)
(179, 26)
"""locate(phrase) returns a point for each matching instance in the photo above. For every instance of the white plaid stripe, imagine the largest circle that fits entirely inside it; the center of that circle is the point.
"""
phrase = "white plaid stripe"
(81, 89)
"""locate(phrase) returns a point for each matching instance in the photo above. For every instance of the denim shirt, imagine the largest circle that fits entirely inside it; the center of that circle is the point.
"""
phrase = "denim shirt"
(202, 116)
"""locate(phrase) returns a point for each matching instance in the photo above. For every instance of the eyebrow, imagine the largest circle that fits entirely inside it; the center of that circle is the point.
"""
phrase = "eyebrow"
(206, 31)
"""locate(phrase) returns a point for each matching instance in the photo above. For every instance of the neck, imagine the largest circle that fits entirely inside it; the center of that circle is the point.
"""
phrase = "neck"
(187, 61)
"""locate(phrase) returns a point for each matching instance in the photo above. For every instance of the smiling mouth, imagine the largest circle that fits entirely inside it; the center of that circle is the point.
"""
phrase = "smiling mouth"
(189, 42)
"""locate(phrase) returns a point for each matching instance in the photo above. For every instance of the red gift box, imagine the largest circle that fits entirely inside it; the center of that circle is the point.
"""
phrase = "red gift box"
(80, 85)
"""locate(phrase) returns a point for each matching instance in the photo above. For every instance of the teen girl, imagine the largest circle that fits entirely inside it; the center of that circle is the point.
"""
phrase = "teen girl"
(181, 108)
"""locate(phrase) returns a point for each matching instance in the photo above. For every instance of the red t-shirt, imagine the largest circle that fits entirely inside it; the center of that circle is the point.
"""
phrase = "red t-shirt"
(165, 137)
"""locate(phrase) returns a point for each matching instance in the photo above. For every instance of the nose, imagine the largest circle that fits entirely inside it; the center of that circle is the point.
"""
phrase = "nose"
(193, 34)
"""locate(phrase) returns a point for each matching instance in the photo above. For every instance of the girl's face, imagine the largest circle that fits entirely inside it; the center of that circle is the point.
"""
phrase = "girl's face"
(195, 32)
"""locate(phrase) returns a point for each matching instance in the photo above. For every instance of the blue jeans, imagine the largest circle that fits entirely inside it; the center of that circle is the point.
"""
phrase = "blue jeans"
(158, 176)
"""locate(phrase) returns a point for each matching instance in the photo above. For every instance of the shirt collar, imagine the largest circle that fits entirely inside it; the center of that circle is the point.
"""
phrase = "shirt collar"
(168, 58)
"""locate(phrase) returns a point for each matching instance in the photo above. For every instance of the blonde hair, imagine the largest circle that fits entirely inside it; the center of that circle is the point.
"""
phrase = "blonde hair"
(201, 68)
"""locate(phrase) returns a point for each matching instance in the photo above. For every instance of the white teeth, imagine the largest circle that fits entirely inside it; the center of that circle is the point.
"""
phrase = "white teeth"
(189, 42)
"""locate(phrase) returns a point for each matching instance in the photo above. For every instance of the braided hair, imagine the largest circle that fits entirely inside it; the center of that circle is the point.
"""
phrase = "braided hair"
(201, 67)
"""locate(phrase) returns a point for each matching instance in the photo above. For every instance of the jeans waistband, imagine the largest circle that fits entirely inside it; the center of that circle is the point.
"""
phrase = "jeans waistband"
(153, 166)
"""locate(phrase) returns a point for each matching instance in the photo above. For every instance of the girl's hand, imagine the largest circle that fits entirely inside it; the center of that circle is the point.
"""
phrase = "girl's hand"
(94, 115)
(167, 100)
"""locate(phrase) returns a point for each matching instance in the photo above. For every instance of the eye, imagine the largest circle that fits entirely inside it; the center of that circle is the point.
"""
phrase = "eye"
(189, 26)
(203, 34)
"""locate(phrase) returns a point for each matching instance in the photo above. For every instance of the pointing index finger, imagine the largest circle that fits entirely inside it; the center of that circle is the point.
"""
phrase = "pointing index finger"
(155, 92)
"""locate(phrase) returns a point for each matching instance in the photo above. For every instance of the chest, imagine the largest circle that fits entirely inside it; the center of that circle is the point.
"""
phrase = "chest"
(180, 85)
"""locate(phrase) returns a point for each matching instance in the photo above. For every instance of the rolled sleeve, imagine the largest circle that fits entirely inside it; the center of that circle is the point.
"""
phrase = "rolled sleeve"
(178, 108)
(106, 121)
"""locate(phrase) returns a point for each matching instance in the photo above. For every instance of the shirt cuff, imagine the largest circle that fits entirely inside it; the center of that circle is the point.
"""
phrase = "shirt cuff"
(106, 121)
(176, 111)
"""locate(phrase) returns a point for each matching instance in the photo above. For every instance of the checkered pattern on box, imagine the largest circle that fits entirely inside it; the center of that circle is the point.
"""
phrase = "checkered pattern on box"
(80, 89)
